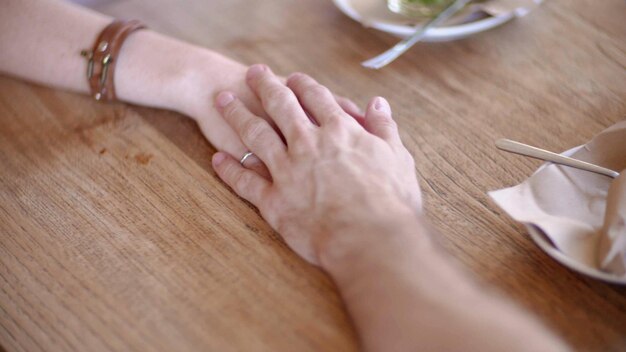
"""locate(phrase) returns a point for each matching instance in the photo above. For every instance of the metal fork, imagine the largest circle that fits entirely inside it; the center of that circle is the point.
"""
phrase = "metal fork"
(388, 56)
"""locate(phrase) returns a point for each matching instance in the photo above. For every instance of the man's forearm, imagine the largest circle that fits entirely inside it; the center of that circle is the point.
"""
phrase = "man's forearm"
(404, 294)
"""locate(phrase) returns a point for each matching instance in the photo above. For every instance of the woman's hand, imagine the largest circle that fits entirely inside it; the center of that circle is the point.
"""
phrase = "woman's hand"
(331, 172)
(203, 72)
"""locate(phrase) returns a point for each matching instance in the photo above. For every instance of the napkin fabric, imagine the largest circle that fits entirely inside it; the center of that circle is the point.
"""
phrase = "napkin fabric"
(582, 213)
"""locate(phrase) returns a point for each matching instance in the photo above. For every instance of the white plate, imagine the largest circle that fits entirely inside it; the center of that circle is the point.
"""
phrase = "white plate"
(434, 34)
(543, 243)
(546, 245)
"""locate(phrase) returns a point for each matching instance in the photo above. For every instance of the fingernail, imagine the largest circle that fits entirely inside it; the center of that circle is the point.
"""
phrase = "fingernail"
(223, 99)
(381, 104)
(255, 70)
(218, 158)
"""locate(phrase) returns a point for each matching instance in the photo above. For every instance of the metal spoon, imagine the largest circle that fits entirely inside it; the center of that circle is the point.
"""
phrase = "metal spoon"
(388, 56)
(538, 153)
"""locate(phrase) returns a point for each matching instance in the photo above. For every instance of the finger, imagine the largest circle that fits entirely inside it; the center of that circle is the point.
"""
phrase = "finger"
(246, 183)
(255, 132)
(255, 164)
(279, 102)
(223, 140)
(348, 106)
(351, 109)
(378, 121)
(315, 98)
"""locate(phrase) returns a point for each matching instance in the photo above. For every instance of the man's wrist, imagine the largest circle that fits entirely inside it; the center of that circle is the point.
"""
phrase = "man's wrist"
(361, 239)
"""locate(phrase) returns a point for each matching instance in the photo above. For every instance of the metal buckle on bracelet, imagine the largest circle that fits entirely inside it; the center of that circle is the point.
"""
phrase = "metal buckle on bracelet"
(106, 61)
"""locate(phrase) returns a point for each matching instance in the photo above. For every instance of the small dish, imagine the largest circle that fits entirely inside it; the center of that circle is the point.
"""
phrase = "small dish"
(400, 28)
(542, 242)
(548, 247)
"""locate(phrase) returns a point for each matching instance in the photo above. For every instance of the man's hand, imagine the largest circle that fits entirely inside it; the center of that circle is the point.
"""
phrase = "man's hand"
(329, 172)
(194, 100)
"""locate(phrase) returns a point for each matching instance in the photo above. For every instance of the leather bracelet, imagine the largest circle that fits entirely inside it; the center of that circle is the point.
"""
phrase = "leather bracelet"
(103, 56)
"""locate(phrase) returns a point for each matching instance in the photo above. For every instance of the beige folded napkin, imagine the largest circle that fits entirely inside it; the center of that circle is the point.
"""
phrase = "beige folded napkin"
(582, 213)
(612, 246)
(376, 11)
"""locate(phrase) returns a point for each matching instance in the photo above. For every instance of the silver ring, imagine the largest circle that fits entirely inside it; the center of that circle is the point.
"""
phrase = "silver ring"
(245, 157)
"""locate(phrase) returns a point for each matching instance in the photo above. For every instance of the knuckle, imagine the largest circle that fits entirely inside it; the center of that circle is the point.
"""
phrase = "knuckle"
(232, 110)
(229, 172)
(253, 129)
(318, 91)
(274, 106)
(386, 122)
(305, 80)
(335, 118)
(277, 93)
(299, 133)
(242, 182)
(305, 145)
(298, 79)
(337, 133)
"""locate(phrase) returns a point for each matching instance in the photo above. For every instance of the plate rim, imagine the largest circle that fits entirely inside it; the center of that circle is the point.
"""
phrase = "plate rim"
(434, 34)
(561, 258)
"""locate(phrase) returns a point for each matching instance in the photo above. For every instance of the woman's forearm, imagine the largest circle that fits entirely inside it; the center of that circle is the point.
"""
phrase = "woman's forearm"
(41, 41)
(405, 295)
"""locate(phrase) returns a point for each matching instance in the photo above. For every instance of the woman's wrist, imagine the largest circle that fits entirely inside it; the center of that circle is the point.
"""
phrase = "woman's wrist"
(206, 73)
(158, 71)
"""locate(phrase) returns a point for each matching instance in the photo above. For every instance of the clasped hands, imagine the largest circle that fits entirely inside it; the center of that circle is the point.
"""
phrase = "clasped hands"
(330, 174)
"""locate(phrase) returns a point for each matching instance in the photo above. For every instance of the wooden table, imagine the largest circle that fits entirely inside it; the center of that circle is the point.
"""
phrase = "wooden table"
(115, 234)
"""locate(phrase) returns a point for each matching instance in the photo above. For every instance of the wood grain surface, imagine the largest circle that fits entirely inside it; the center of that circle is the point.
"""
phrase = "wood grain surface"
(115, 234)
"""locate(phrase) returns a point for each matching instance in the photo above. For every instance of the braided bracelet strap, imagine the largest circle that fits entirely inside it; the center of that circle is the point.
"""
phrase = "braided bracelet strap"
(103, 56)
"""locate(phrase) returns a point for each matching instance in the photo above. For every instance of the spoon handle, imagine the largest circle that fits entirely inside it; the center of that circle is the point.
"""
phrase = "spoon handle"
(538, 153)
